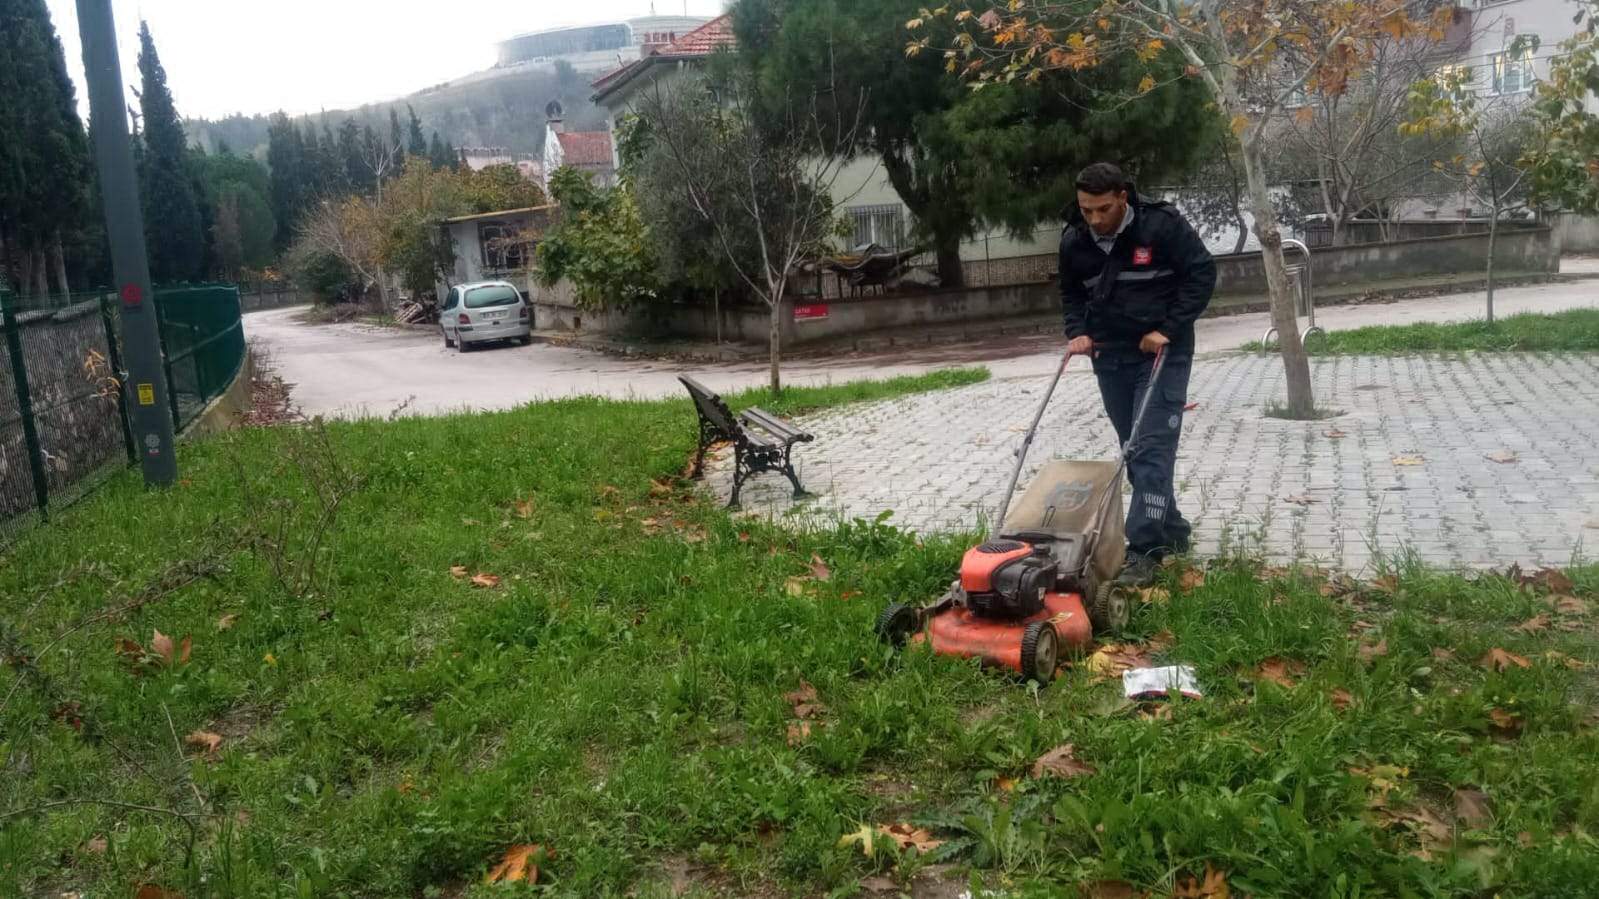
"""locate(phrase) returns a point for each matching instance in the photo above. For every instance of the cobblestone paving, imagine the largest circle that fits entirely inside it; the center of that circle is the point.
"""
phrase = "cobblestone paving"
(940, 461)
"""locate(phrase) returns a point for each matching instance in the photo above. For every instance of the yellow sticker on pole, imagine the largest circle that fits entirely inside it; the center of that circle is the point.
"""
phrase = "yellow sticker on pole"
(147, 394)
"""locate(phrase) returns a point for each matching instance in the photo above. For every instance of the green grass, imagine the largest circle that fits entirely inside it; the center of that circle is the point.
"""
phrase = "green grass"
(1573, 330)
(619, 697)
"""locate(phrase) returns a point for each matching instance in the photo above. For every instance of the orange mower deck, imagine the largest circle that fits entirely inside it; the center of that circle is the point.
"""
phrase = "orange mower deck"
(961, 633)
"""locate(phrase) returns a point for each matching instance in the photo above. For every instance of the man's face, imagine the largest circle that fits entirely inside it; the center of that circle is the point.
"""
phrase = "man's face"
(1104, 212)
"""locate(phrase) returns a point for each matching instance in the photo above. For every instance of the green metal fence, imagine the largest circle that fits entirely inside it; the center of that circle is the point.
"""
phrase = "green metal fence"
(63, 420)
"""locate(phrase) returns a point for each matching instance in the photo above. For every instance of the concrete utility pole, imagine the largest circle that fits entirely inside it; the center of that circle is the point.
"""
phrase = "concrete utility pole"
(147, 398)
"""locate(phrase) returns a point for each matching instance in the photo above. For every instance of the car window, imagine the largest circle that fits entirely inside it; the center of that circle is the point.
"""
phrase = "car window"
(483, 297)
(449, 299)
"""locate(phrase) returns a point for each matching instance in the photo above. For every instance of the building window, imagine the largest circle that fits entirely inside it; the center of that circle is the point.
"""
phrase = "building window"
(882, 225)
(1512, 70)
(506, 248)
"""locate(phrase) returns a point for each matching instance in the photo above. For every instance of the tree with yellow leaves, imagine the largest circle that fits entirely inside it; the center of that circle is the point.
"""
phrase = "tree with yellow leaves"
(1257, 57)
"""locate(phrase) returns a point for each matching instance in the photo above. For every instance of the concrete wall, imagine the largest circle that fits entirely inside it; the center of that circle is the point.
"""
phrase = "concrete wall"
(1577, 233)
(1517, 250)
(228, 410)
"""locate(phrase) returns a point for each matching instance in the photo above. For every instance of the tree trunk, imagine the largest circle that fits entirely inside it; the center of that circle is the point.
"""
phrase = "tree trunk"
(41, 276)
(951, 271)
(60, 260)
(24, 284)
(1284, 315)
(1243, 234)
(1493, 236)
(774, 339)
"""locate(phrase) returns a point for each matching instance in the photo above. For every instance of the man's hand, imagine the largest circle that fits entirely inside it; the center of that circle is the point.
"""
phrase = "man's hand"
(1081, 346)
(1152, 342)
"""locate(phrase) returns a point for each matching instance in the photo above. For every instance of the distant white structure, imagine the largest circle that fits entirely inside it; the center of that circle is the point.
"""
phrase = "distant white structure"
(594, 48)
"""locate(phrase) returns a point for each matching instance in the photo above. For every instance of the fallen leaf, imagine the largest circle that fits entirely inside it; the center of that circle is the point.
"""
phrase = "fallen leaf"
(486, 581)
(1571, 605)
(1062, 762)
(1342, 700)
(1551, 579)
(795, 586)
(1442, 655)
(458, 571)
(204, 739)
(271, 660)
(1388, 583)
(1503, 457)
(1280, 671)
(849, 594)
(227, 621)
(96, 846)
(866, 837)
(1154, 596)
(1409, 460)
(819, 569)
(517, 866)
(1533, 625)
(1214, 886)
(1155, 711)
(804, 702)
(1471, 808)
(1301, 499)
(1507, 723)
(162, 645)
(1524, 839)
(1432, 831)
(1500, 660)
(1334, 434)
(799, 732)
(1369, 651)
(151, 891)
(661, 487)
(1560, 658)
(909, 837)
(1161, 642)
(129, 648)
(1112, 659)
(522, 508)
(694, 535)
(1192, 579)
(1005, 784)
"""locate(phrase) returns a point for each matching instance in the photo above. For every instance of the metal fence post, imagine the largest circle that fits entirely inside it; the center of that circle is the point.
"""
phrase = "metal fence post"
(115, 356)
(30, 430)
(166, 360)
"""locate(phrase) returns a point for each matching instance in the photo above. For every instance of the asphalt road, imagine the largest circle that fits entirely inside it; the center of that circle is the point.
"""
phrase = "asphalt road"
(353, 370)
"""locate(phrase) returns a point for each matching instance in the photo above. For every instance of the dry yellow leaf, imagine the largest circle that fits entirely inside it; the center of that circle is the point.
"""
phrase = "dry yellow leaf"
(518, 866)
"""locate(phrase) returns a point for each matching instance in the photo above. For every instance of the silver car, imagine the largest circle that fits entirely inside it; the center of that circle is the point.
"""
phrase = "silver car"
(485, 311)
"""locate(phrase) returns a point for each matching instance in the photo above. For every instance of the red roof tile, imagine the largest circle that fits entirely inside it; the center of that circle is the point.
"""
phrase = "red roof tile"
(702, 41)
(586, 147)
(697, 44)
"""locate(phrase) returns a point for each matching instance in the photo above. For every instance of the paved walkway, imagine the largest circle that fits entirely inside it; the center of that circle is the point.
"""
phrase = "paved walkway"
(940, 461)
(353, 370)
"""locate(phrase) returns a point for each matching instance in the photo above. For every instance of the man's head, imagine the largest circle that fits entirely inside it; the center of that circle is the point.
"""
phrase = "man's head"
(1102, 195)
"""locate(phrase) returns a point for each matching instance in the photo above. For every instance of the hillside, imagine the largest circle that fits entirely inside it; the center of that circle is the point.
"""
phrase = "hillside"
(488, 109)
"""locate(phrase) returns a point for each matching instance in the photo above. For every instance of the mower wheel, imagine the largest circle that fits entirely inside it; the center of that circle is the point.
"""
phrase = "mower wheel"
(896, 624)
(1040, 652)
(1110, 610)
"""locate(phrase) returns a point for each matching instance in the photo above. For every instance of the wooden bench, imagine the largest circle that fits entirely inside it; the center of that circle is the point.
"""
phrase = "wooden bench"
(761, 441)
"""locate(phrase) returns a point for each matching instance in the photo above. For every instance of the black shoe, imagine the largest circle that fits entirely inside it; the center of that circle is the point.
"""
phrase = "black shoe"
(1139, 571)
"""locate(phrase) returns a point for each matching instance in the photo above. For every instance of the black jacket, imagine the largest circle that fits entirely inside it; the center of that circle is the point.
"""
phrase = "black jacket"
(1158, 277)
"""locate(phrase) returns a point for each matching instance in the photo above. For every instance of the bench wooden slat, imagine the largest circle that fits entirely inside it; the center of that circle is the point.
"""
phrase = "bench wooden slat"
(761, 441)
(778, 427)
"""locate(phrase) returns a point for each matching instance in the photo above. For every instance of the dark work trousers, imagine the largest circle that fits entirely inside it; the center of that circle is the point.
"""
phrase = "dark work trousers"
(1154, 525)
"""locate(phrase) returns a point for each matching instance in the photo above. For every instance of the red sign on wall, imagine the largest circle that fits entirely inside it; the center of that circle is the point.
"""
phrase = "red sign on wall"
(132, 296)
(810, 312)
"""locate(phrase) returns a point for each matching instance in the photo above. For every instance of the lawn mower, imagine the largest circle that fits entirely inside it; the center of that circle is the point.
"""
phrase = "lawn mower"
(1046, 577)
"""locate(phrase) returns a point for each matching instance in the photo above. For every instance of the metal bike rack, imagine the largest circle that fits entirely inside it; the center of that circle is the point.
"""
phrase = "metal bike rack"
(1304, 298)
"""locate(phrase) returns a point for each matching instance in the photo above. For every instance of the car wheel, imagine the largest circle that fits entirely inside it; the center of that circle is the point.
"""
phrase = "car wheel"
(461, 346)
(447, 342)
(527, 340)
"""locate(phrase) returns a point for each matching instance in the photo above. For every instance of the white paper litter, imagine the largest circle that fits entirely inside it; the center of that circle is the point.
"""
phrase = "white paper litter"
(1153, 683)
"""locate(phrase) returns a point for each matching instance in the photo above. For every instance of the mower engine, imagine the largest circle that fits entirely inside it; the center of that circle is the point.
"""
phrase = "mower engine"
(1006, 579)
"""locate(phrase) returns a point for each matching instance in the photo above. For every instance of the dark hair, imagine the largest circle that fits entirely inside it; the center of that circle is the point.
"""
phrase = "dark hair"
(1101, 178)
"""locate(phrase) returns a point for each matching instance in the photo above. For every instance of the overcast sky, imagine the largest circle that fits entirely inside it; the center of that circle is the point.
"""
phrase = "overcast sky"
(225, 56)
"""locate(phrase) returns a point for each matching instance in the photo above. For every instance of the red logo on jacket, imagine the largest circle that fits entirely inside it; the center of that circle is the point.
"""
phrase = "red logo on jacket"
(1143, 256)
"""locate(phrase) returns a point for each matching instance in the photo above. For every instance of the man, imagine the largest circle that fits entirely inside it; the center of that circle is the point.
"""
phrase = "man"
(1134, 276)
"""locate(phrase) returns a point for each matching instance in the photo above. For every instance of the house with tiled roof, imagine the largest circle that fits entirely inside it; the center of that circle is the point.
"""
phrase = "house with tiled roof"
(589, 151)
(862, 190)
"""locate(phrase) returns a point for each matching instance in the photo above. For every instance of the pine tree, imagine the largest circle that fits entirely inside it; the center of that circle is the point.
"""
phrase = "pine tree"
(45, 168)
(355, 175)
(438, 154)
(417, 142)
(172, 221)
(455, 157)
(396, 145)
(289, 193)
(330, 164)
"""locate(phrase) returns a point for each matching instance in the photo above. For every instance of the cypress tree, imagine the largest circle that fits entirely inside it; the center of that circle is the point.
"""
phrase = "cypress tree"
(417, 144)
(438, 155)
(286, 160)
(172, 220)
(396, 144)
(355, 174)
(330, 163)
